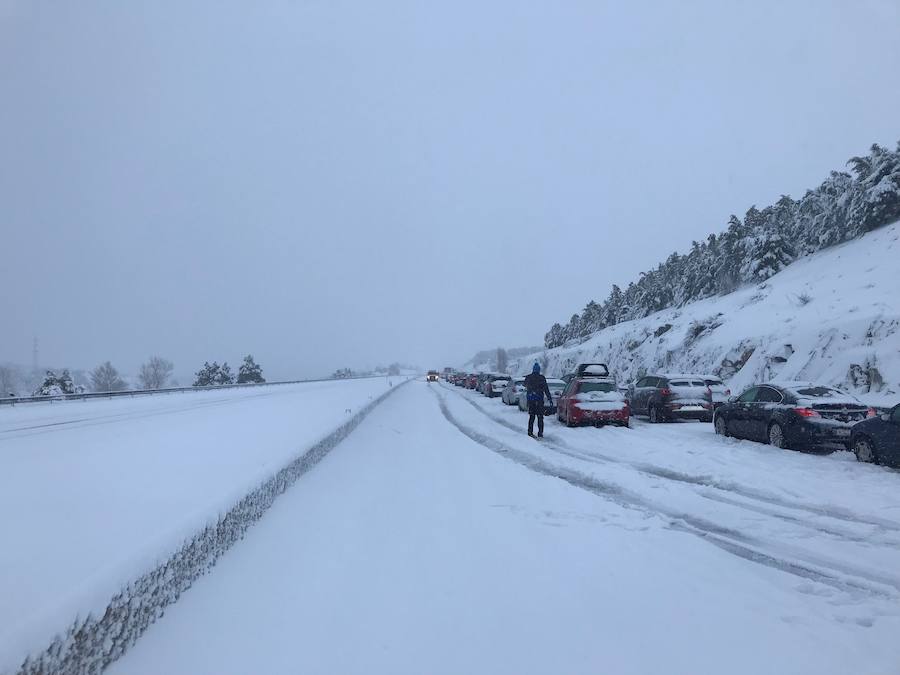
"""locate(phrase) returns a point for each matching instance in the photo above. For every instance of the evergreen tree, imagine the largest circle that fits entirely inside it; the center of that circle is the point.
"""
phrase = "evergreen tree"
(250, 371)
(843, 206)
(208, 375)
(224, 375)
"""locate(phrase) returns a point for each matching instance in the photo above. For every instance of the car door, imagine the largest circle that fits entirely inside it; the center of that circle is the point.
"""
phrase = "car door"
(642, 393)
(738, 424)
(563, 405)
(889, 441)
(759, 412)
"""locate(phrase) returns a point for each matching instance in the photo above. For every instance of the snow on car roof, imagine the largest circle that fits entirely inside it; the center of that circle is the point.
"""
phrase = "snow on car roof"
(683, 376)
(799, 389)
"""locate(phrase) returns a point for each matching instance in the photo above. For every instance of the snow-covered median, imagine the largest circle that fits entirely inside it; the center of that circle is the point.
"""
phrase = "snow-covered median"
(96, 494)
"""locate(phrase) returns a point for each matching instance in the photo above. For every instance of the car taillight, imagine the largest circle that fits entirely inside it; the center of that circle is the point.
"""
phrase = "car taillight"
(806, 412)
(871, 412)
(665, 391)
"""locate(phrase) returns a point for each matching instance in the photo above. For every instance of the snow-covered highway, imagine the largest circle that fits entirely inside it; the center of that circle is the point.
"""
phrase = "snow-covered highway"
(438, 538)
(96, 493)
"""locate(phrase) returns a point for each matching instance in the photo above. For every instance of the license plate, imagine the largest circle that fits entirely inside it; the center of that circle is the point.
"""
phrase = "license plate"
(842, 432)
(692, 408)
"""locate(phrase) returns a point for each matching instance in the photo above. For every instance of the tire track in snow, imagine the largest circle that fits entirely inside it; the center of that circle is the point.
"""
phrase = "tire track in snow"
(814, 568)
(881, 524)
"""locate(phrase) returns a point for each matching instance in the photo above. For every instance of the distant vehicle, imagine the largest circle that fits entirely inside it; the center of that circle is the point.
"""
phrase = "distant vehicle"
(666, 397)
(432, 376)
(556, 387)
(494, 384)
(593, 400)
(877, 439)
(792, 415)
(720, 393)
(482, 378)
(472, 381)
(447, 372)
(511, 391)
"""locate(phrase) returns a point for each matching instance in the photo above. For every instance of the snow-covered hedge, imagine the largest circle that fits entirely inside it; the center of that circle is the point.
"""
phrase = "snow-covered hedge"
(93, 642)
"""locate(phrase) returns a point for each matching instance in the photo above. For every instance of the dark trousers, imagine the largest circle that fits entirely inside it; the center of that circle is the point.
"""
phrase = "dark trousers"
(536, 409)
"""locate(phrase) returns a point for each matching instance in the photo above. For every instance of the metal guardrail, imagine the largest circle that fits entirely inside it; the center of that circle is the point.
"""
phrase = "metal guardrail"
(13, 400)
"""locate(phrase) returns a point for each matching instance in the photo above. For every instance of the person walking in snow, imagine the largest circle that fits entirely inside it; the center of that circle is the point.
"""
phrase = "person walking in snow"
(536, 388)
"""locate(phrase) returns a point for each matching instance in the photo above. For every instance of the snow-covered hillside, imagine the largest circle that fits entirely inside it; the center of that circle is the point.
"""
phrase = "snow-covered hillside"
(833, 317)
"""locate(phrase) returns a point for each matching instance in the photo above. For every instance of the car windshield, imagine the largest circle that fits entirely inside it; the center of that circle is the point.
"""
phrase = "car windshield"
(596, 386)
(714, 383)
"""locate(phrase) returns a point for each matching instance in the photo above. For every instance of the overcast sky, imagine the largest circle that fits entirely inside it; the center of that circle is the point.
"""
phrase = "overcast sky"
(333, 183)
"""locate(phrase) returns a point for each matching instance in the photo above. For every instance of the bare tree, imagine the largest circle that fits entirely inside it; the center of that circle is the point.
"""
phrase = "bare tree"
(502, 360)
(106, 378)
(155, 373)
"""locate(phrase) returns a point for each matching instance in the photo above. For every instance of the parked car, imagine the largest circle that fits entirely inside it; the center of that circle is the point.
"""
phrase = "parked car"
(877, 439)
(556, 387)
(482, 378)
(472, 381)
(792, 415)
(511, 391)
(720, 393)
(592, 400)
(494, 384)
(666, 397)
(433, 376)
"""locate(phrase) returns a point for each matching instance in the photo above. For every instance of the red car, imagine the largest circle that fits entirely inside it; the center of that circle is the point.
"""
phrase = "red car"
(592, 400)
(472, 381)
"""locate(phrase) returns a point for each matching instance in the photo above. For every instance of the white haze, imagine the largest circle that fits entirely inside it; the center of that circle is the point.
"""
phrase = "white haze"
(330, 184)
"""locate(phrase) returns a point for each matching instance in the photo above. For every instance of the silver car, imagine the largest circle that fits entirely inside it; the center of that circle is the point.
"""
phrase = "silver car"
(512, 390)
(556, 388)
(717, 388)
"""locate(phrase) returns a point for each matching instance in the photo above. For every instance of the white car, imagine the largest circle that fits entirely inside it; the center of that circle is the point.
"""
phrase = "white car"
(717, 388)
(495, 384)
(556, 388)
(512, 390)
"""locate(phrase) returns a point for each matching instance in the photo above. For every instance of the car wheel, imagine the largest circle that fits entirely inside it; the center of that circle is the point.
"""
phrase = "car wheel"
(569, 422)
(654, 415)
(721, 426)
(776, 436)
(864, 450)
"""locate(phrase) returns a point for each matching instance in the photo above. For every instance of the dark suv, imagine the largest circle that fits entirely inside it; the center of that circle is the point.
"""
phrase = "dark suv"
(668, 397)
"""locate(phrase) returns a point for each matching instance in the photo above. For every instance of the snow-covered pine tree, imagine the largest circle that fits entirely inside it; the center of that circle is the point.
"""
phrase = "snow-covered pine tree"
(250, 372)
(208, 375)
(224, 375)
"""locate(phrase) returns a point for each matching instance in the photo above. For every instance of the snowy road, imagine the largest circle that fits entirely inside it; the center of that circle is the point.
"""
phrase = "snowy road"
(96, 493)
(438, 539)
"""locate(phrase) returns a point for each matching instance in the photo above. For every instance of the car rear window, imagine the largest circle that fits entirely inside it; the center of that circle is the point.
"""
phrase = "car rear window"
(817, 392)
(596, 386)
(713, 383)
(687, 383)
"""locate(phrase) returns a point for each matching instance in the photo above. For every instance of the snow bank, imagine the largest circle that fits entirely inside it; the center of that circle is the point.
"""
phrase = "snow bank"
(833, 318)
(139, 510)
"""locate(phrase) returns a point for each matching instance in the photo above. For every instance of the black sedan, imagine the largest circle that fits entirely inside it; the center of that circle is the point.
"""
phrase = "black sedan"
(792, 415)
(878, 439)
